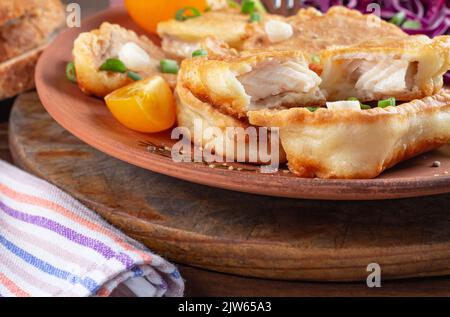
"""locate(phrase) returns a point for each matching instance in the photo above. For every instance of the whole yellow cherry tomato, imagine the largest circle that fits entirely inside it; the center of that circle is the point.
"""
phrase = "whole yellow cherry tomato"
(146, 106)
(148, 13)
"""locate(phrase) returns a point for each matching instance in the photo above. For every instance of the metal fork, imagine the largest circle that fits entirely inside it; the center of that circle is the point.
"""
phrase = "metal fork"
(283, 7)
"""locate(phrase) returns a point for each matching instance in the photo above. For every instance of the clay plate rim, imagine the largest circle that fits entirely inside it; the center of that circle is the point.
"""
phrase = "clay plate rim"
(77, 113)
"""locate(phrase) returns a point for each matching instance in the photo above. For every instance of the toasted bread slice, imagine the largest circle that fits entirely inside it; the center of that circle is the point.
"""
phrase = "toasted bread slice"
(190, 109)
(92, 49)
(237, 84)
(407, 68)
(350, 144)
(17, 74)
(27, 24)
(314, 31)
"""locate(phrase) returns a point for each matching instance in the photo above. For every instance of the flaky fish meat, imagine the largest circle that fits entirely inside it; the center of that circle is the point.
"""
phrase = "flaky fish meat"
(408, 68)
(92, 49)
(237, 84)
(181, 38)
(352, 144)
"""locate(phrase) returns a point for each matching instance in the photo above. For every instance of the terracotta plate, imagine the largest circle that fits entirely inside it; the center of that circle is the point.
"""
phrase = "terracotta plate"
(89, 119)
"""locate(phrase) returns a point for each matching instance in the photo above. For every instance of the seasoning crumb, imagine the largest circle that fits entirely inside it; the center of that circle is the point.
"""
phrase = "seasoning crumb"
(436, 164)
(446, 172)
(167, 148)
(224, 164)
(239, 169)
(231, 168)
(212, 166)
(151, 148)
(436, 175)
(286, 171)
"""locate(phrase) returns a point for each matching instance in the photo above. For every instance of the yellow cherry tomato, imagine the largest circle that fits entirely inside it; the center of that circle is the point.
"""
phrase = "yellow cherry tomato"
(148, 13)
(146, 106)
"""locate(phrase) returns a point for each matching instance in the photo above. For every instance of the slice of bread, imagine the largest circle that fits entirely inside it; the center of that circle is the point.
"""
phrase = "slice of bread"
(26, 27)
(17, 74)
(29, 26)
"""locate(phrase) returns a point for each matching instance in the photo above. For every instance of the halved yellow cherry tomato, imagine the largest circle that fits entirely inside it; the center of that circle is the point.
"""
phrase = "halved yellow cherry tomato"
(148, 13)
(146, 106)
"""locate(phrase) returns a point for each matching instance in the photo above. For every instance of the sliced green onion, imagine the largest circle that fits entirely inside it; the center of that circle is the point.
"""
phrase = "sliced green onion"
(387, 103)
(259, 6)
(134, 76)
(363, 106)
(412, 25)
(313, 109)
(315, 59)
(248, 7)
(182, 16)
(398, 19)
(71, 73)
(200, 52)
(169, 66)
(233, 4)
(255, 17)
(114, 65)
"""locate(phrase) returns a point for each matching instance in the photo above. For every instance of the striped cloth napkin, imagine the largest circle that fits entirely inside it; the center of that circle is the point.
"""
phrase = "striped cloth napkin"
(51, 245)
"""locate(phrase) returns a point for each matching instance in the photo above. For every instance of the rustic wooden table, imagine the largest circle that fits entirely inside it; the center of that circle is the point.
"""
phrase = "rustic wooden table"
(201, 282)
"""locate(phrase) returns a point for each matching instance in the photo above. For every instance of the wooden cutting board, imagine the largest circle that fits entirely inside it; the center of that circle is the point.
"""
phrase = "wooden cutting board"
(233, 232)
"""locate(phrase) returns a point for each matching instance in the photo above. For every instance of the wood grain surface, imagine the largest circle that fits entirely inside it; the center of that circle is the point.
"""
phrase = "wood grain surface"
(89, 120)
(233, 232)
(205, 283)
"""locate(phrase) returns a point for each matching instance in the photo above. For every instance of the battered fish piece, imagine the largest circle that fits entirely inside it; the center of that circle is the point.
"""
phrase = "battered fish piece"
(93, 48)
(237, 84)
(181, 38)
(314, 31)
(350, 144)
(407, 69)
(190, 108)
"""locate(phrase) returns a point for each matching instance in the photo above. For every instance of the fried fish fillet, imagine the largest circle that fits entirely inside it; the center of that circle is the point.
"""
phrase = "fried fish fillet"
(408, 68)
(314, 31)
(351, 144)
(190, 109)
(181, 38)
(237, 84)
(92, 49)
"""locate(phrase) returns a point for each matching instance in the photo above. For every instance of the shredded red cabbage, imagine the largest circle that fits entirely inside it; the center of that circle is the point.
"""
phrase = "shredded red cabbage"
(432, 15)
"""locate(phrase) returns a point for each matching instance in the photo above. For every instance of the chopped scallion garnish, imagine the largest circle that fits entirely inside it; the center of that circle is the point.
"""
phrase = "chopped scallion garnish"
(169, 66)
(390, 102)
(182, 15)
(248, 7)
(363, 106)
(255, 17)
(134, 76)
(71, 73)
(114, 65)
(315, 59)
(313, 109)
(412, 25)
(200, 52)
(233, 4)
(398, 19)
(259, 6)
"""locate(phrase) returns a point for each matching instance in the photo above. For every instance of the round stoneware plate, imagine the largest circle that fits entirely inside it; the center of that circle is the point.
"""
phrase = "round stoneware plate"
(89, 119)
